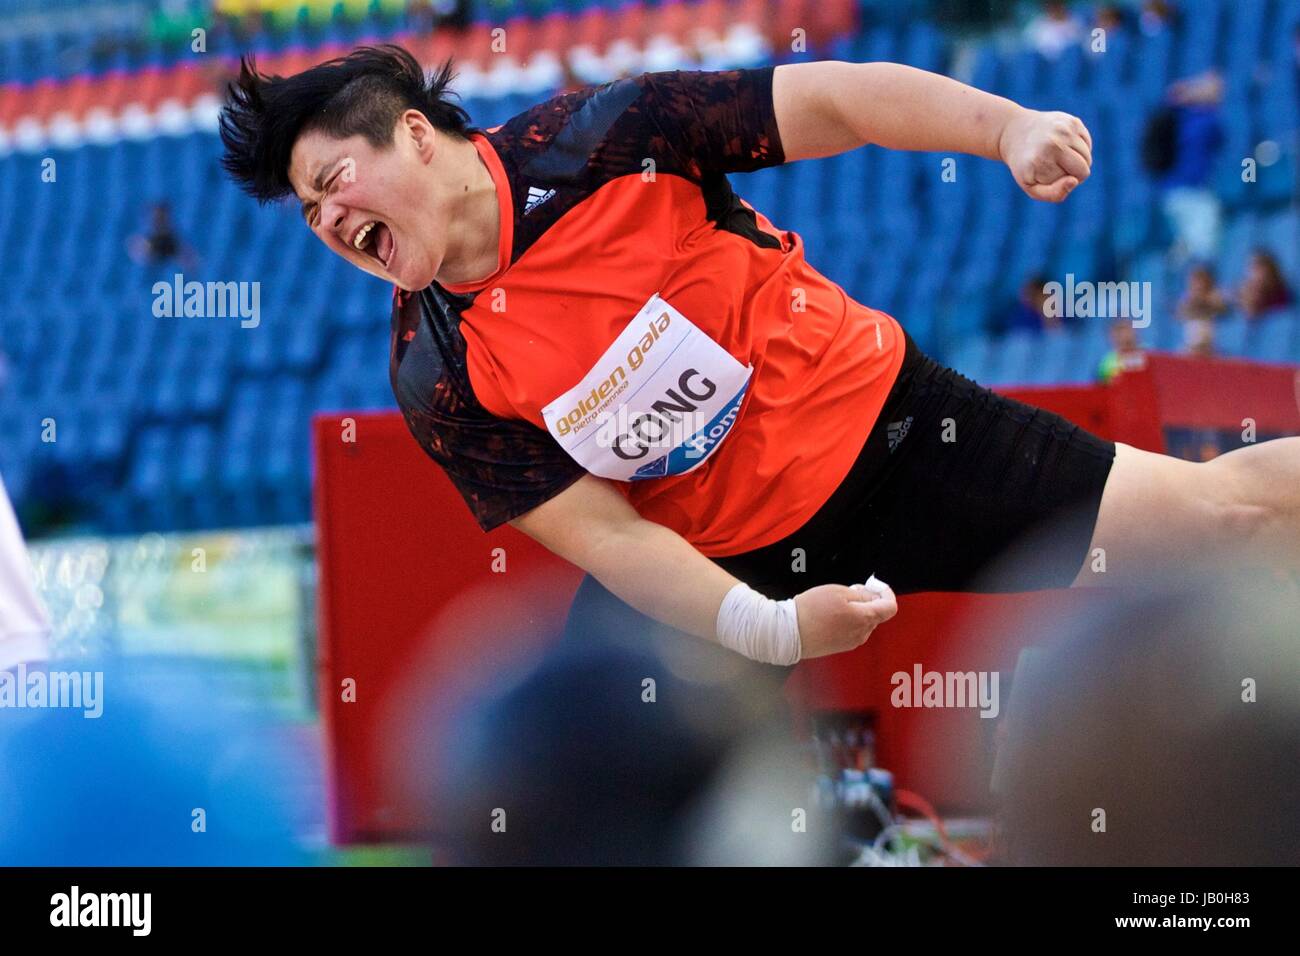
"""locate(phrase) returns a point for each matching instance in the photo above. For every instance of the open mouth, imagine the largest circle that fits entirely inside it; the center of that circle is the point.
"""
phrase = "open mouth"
(375, 240)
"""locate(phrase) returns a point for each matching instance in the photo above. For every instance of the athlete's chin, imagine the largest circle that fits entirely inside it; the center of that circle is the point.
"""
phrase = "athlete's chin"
(411, 276)
(413, 280)
(407, 277)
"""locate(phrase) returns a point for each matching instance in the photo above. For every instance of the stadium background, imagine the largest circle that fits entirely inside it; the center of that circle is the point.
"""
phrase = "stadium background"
(177, 434)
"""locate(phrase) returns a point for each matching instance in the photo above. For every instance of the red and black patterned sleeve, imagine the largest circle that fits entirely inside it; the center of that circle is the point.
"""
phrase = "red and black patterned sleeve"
(502, 467)
(697, 124)
(714, 122)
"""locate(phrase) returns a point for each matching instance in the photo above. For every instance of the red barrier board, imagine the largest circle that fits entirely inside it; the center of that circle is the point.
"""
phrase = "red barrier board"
(396, 548)
(1175, 391)
(407, 583)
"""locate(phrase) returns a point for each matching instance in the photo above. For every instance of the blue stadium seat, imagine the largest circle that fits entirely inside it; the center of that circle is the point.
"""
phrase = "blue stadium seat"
(976, 358)
(1274, 338)
(1230, 335)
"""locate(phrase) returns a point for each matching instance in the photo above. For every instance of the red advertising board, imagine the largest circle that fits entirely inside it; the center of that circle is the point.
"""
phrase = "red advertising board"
(408, 582)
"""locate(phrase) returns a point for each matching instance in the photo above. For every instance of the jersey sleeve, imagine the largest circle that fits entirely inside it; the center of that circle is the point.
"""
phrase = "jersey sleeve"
(502, 467)
(714, 121)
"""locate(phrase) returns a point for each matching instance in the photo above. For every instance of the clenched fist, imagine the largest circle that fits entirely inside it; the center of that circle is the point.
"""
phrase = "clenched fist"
(1048, 153)
(834, 618)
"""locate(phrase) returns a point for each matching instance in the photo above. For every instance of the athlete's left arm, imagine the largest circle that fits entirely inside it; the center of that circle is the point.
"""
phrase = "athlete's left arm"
(832, 106)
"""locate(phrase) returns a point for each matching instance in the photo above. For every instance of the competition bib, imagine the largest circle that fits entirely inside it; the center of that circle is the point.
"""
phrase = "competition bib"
(659, 402)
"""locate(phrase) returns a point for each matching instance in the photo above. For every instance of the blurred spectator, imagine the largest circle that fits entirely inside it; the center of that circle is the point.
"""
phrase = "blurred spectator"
(1202, 303)
(1028, 313)
(1263, 289)
(1053, 30)
(1155, 17)
(1109, 18)
(453, 14)
(1195, 136)
(1125, 352)
(161, 243)
(425, 16)
(250, 24)
(1200, 340)
(1201, 89)
(421, 17)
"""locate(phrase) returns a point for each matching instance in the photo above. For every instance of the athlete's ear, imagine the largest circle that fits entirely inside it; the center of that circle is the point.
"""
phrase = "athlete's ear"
(416, 125)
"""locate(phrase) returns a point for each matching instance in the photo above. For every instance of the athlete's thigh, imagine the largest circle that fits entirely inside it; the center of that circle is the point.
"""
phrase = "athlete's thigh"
(1157, 514)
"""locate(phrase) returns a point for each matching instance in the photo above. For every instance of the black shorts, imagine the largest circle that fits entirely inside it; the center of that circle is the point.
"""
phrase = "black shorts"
(952, 478)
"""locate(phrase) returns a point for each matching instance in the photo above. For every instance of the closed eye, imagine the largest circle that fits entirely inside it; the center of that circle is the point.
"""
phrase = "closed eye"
(310, 209)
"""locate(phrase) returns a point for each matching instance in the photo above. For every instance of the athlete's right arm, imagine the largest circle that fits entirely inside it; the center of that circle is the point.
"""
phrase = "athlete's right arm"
(658, 572)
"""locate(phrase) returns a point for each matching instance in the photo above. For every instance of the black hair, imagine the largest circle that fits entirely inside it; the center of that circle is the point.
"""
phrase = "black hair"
(363, 93)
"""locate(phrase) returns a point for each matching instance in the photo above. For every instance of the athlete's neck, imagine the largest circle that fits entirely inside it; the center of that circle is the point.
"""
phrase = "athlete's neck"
(474, 228)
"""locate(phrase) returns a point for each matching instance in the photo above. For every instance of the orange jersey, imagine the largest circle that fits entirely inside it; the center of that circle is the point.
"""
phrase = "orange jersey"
(645, 324)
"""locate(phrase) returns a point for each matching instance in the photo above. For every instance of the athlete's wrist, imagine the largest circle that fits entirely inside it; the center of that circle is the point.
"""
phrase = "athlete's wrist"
(1009, 128)
(759, 627)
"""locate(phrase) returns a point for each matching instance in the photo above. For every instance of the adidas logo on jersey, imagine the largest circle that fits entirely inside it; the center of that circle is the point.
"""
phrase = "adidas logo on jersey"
(536, 196)
(897, 431)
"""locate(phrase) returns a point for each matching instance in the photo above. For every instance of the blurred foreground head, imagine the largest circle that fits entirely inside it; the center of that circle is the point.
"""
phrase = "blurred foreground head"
(612, 754)
(1163, 729)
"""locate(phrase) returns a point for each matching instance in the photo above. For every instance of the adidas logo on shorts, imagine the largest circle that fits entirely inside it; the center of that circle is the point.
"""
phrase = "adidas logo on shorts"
(536, 196)
(897, 431)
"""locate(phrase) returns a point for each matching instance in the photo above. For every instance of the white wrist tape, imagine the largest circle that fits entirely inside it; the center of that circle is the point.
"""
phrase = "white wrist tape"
(758, 627)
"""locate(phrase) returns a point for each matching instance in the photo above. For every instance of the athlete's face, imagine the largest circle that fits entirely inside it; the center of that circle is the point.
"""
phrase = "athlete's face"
(378, 208)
